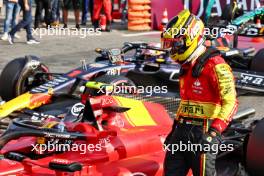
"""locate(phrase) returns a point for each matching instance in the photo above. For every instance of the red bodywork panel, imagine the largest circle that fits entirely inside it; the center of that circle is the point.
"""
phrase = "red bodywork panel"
(130, 148)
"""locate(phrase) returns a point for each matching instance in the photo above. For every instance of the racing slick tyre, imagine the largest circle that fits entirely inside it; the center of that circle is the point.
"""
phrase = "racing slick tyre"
(115, 80)
(21, 75)
(255, 152)
(257, 63)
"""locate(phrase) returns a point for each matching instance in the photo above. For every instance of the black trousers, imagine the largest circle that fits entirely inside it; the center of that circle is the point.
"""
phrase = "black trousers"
(46, 5)
(178, 162)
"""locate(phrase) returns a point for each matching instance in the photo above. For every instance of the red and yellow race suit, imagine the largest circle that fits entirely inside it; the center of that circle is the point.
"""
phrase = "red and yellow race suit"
(212, 95)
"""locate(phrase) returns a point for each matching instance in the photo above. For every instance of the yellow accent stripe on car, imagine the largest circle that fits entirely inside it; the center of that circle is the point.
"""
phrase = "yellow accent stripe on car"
(137, 115)
(26, 100)
(15, 104)
(50, 124)
(94, 84)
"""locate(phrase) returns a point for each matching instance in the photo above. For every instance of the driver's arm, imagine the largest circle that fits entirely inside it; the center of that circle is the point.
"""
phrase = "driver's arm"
(226, 86)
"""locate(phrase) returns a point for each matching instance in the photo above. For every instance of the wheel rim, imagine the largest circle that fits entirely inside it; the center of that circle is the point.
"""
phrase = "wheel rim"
(32, 78)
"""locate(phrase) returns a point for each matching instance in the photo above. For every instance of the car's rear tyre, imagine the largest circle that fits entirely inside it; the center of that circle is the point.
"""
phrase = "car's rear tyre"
(255, 152)
(257, 63)
(241, 171)
(18, 76)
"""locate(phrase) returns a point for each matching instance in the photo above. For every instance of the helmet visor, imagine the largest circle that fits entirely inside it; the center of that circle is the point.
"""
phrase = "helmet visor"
(175, 44)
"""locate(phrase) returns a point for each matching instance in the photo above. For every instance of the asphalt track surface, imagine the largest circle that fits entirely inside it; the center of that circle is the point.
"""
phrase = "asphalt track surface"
(62, 53)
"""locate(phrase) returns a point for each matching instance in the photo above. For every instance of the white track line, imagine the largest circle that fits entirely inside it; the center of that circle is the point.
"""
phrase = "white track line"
(141, 34)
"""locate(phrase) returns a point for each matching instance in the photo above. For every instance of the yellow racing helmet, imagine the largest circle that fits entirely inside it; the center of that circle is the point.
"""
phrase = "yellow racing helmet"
(183, 35)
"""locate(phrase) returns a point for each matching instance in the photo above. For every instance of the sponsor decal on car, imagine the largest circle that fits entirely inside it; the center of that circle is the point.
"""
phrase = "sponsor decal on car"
(61, 161)
(77, 108)
(232, 52)
(114, 71)
(252, 31)
(252, 79)
(57, 135)
(34, 64)
(50, 84)
(118, 122)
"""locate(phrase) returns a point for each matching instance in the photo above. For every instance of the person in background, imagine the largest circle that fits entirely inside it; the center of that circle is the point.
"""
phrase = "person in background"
(11, 16)
(55, 13)
(107, 6)
(124, 4)
(26, 6)
(87, 5)
(40, 5)
(1, 5)
(76, 6)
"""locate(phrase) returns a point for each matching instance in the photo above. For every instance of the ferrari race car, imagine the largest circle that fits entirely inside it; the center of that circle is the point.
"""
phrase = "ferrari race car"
(116, 136)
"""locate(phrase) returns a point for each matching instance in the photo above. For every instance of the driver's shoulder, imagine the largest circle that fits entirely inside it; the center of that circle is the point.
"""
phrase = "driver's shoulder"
(216, 60)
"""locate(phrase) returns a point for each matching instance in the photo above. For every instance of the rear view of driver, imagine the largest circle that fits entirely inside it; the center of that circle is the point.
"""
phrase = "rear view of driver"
(208, 98)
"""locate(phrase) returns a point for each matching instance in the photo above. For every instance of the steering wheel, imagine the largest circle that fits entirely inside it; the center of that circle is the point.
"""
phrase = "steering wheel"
(115, 55)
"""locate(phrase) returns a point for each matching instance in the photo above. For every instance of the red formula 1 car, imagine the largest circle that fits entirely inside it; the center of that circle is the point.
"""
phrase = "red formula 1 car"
(115, 136)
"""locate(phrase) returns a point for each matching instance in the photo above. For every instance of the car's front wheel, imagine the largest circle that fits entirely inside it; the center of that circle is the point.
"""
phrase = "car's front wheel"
(20, 75)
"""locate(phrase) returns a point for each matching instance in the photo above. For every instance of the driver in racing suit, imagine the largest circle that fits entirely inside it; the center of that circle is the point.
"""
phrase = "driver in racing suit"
(208, 98)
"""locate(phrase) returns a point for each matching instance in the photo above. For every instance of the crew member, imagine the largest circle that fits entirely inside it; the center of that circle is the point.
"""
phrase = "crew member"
(107, 6)
(208, 97)
(26, 6)
(76, 6)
